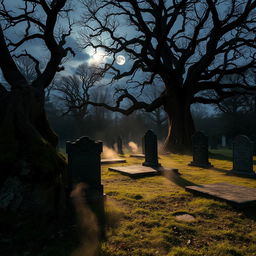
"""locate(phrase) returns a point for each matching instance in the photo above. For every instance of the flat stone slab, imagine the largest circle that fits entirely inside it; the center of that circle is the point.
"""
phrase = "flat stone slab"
(112, 161)
(135, 170)
(238, 196)
(138, 155)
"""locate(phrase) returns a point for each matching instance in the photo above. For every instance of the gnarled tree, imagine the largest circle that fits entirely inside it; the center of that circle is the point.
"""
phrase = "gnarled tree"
(31, 168)
(190, 45)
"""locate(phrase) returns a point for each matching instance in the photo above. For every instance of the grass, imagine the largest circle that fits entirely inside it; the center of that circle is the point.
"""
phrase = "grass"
(141, 222)
(148, 225)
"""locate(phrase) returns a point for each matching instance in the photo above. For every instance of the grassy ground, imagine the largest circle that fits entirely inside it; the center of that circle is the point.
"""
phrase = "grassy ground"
(141, 216)
(147, 225)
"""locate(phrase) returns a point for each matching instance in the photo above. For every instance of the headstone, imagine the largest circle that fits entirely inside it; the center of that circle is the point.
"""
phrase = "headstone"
(243, 156)
(84, 162)
(84, 166)
(200, 151)
(120, 146)
(151, 155)
(223, 141)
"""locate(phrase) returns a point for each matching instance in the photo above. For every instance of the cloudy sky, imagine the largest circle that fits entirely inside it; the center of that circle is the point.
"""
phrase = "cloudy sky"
(38, 49)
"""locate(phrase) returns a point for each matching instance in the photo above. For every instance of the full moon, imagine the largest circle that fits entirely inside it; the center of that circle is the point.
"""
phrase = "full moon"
(120, 60)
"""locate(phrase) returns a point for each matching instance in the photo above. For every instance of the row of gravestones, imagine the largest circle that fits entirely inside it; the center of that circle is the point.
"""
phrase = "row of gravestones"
(84, 157)
(84, 166)
(84, 161)
(223, 141)
(243, 149)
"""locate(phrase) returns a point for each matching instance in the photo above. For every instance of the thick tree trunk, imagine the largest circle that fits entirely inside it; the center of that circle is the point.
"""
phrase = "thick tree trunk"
(181, 125)
(31, 168)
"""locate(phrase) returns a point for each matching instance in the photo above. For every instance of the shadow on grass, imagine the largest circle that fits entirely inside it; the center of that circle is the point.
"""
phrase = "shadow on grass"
(176, 178)
(220, 170)
(219, 156)
(250, 212)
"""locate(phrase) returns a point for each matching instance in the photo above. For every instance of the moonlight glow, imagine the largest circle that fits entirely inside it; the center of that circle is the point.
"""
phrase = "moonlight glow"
(97, 57)
(120, 60)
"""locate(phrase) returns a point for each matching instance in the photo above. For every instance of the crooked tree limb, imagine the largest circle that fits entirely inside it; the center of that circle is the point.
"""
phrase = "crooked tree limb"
(149, 107)
(10, 70)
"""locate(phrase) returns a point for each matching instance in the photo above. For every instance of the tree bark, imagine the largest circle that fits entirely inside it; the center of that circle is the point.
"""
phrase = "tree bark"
(181, 126)
(31, 168)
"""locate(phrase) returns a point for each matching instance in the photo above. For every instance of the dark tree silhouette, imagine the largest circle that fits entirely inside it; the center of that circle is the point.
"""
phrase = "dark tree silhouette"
(73, 90)
(190, 45)
(30, 166)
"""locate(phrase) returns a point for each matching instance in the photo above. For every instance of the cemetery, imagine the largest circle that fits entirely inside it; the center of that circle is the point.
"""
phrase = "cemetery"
(127, 128)
(164, 203)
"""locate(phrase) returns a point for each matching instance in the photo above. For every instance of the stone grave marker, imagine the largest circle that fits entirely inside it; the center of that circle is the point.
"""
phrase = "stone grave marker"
(223, 141)
(238, 196)
(84, 166)
(151, 155)
(200, 150)
(135, 171)
(243, 156)
(150, 166)
(84, 161)
(120, 145)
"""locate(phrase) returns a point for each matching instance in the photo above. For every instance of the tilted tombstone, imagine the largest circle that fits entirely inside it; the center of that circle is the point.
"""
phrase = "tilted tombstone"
(150, 145)
(84, 167)
(200, 150)
(243, 156)
(120, 145)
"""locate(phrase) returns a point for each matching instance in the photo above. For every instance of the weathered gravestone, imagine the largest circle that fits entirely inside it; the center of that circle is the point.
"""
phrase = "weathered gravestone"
(200, 151)
(223, 141)
(151, 155)
(120, 145)
(84, 167)
(243, 156)
(84, 162)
